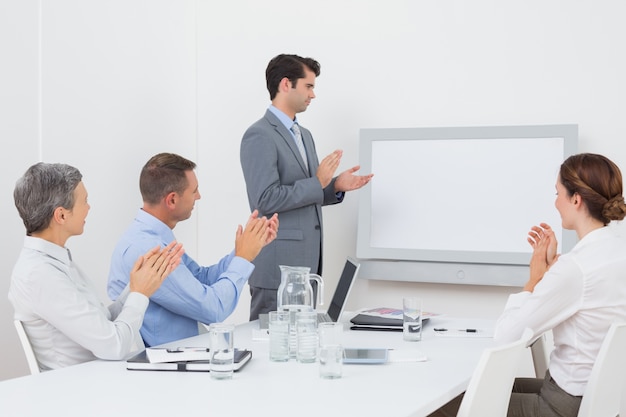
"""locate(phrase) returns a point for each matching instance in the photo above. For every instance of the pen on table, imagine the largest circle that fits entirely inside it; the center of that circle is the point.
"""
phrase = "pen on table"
(182, 349)
(459, 330)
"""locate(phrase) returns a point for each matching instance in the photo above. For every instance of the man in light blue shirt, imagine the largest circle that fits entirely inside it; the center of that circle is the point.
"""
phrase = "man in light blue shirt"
(192, 293)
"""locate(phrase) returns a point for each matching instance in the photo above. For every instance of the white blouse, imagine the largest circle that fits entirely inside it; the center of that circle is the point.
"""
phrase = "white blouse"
(62, 315)
(578, 298)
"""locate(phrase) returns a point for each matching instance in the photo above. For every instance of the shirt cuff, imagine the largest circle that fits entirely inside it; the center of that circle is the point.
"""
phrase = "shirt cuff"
(517, 300)
(137, 300)
(241, 265)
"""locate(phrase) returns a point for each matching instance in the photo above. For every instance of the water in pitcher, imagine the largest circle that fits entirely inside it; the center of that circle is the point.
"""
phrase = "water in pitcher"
(295, 294)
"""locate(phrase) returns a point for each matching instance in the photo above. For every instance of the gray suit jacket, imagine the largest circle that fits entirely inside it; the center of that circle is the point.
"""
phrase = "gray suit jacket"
(277, 182)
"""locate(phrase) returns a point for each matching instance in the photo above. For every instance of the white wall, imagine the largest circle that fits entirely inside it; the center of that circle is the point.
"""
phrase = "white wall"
(103, 85)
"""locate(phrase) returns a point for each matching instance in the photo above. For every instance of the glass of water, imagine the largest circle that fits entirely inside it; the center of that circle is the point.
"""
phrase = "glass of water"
(331, 361)
(306, 336)
(222, 350)
(279, 336)
(412, 319)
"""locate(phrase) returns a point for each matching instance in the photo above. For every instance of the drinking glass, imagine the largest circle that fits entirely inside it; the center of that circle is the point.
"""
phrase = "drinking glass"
(279, 336)
(222, 351)
(412, 319)
(306, 336)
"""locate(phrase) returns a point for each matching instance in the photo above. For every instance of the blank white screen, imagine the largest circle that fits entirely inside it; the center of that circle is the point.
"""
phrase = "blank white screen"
(460, 195)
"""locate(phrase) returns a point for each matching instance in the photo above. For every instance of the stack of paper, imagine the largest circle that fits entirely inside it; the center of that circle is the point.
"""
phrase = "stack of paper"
(160, 355)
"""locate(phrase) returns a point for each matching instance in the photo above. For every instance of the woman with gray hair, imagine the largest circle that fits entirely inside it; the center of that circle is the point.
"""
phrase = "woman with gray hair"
(59, 308)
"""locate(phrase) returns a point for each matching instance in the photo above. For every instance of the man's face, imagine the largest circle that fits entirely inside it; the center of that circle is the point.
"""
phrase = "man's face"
(187, 199)
(300, 95)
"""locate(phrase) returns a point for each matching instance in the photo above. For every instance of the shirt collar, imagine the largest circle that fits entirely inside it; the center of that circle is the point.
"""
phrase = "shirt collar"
(595, 235)
(51, 249)
(284, 119)
(154, 225)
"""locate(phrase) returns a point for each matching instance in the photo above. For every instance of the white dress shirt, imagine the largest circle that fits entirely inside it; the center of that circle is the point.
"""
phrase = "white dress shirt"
(62, 315)
(578, 298)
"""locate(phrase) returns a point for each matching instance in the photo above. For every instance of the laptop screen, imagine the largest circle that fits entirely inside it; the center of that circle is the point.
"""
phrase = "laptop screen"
(346, 280)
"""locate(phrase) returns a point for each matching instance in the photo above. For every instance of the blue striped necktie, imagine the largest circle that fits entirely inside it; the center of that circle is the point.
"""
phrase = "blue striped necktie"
(299, 143)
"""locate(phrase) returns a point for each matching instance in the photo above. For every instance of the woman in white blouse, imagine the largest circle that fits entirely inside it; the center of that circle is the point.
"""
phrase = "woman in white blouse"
(577, 295)
(62, 315)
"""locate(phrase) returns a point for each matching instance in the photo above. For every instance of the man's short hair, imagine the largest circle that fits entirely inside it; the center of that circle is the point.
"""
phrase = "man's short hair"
(164, 173)
(41, 190)
(290, 66)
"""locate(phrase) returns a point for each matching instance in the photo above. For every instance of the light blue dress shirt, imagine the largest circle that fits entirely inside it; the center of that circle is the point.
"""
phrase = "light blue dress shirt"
(190, 294)
(288, 123)
(284, 119)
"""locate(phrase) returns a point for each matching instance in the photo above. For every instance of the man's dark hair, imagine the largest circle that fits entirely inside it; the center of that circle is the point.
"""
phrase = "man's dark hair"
(290, 66)
(164, 173)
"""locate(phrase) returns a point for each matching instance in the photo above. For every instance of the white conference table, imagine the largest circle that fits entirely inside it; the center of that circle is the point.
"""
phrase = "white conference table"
(263, 388)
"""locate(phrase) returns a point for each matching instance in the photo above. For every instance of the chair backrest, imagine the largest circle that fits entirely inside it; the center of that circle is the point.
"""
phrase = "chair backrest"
(607, 382)
(28, 349)
(489, 390)
(623, 406)
(540, 355)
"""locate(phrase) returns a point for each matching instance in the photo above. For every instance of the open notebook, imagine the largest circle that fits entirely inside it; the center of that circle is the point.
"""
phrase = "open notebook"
(338, 302)
(383, 318)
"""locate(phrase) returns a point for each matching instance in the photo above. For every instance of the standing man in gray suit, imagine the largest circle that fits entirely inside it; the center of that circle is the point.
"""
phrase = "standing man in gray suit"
(283, 175)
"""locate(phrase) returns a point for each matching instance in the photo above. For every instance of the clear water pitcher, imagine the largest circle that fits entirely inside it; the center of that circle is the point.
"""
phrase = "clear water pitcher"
(295, 294)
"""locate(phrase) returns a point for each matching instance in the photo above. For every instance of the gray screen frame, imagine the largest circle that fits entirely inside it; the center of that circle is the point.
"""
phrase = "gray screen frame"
(459, 265)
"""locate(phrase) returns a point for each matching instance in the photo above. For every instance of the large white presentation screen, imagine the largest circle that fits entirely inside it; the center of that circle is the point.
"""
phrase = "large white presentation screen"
(467, 194)
(450, 195)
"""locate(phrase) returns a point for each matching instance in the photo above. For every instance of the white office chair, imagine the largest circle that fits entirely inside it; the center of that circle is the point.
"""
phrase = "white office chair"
(622, 408)
(489, 390)
(607, 382)
(540, 355)
(28, 349)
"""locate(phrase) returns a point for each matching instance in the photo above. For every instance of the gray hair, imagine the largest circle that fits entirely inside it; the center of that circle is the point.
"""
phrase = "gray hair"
(41, 190)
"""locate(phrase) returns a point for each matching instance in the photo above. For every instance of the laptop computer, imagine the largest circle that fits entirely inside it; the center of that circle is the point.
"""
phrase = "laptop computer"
(338, 302)
(344, 285)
